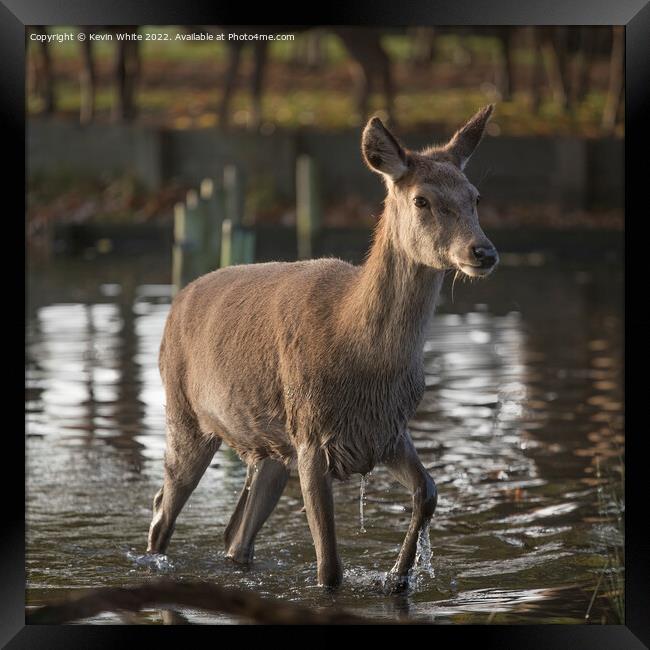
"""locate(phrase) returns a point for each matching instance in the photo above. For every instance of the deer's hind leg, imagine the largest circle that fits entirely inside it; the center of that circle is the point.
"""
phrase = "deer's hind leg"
(187, 456)
(264, 485)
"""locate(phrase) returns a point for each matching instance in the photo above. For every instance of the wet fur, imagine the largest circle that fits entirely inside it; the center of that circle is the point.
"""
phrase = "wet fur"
(268, 356)
(318, 365)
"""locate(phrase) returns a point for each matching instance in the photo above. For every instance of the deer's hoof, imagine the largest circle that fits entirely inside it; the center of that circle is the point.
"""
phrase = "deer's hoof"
(242, 557)
(330, 578)
(395, 583)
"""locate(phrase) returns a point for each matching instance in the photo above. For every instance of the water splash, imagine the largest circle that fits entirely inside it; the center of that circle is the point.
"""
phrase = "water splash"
(422, 566)
(156, 561)
(423, 552)
(362, 502)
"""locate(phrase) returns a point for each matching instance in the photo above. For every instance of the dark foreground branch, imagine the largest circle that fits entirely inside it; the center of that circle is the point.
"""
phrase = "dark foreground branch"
(198, 595)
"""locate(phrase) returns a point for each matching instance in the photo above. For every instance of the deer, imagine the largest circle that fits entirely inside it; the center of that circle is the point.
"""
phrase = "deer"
(316, 366)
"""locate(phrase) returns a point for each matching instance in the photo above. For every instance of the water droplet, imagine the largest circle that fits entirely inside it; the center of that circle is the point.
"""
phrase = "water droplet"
(362, 501)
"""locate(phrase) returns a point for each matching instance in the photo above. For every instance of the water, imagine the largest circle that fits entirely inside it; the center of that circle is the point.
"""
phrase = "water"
(521, 424)
(424, 554)
(362, 503)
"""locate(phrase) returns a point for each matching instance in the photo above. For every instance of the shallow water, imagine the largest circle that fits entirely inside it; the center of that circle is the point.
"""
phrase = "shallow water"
(522, 421)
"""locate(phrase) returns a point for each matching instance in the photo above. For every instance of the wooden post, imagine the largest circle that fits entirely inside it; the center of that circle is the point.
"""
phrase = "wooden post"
(178, 254)
(237, 239)
(211, 199)
(248, 248)
(208, 230)
(233, 188)
(238, 235)
(308, 208)
(194, 227)
(237, 244)
(226, 243)
(188, 232)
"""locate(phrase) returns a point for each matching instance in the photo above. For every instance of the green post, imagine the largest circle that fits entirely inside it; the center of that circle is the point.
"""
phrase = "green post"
(237, 244)
(308, 208)
(248, 249)
(237, 238)
(238, 234)
(178, 253)
(194, 232)
(188, 232)
(233, 188)
(226, 243)
(211, 200)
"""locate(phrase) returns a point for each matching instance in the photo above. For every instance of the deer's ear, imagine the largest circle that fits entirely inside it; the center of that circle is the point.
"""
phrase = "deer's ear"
(466, 139)
(381, 150)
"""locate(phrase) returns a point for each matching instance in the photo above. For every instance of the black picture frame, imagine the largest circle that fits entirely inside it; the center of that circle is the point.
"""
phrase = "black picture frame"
(634, 14)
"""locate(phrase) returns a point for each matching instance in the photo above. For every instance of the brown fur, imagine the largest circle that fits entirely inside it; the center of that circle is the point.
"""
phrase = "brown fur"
(321, 358)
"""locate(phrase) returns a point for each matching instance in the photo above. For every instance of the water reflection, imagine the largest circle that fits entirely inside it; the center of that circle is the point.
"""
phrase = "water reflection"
(523, 409)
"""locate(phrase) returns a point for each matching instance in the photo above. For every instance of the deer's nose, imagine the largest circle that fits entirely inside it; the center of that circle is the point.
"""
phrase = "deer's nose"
(486, 256)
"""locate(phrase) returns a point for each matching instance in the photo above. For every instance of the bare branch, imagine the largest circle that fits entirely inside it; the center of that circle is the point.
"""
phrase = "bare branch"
(200, 595)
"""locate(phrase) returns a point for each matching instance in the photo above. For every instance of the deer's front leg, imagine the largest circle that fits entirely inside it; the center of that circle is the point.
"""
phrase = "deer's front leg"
(406, 467)
(316, 486)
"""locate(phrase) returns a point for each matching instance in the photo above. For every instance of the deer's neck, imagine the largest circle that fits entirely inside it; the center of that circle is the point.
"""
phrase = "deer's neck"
(391, 300)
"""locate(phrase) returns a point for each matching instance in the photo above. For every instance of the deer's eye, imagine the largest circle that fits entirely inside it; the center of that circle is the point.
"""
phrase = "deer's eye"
(478, 198)
(420, 202)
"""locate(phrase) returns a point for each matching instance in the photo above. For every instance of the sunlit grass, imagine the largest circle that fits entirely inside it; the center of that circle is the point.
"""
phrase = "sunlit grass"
(610, 584)
(190, 107)
(399, 46)
(187, 50)
(189, 104)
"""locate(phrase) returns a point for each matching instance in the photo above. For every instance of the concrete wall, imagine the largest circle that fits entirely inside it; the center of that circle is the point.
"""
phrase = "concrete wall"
(70, 147)
(194, 155)
(572, 172)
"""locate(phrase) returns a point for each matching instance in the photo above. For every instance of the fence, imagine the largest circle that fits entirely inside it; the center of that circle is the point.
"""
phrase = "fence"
(211, 229)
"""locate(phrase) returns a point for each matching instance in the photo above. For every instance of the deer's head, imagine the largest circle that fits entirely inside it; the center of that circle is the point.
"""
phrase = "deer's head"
(431, 204)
